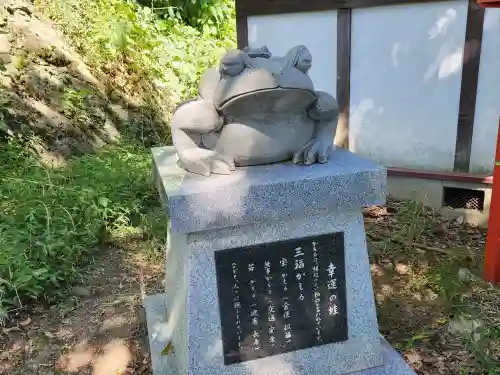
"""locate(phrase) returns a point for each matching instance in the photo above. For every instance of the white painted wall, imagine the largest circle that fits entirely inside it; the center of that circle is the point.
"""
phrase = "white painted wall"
(488, 97)
(316, 30)
(406, 65)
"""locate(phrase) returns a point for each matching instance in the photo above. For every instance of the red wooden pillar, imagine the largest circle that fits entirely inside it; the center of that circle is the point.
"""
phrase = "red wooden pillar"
(489, 3)
(492, 256)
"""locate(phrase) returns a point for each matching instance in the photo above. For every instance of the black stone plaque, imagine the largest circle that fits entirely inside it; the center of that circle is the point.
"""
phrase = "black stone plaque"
(282, 296)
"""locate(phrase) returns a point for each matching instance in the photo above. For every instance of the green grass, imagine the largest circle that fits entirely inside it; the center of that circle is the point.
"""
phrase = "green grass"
(53, 221)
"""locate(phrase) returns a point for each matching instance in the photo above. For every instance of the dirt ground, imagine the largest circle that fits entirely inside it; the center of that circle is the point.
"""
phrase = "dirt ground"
(99, 330)
(432, 304)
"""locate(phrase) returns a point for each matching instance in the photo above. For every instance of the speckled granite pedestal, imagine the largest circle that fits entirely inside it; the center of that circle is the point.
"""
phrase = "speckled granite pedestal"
(258, 205)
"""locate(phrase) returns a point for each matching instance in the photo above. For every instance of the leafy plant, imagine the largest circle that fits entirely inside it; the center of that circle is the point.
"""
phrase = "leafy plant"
(74, 100)
(148, 56)
(5, 130)
(211, 17)
(51, 221)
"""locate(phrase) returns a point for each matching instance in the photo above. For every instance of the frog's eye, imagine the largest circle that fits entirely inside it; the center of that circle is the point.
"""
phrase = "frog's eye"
(304, 62)
(303, 66)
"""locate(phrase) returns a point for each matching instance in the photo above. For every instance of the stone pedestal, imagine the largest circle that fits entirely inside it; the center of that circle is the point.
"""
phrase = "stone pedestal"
(273, 208)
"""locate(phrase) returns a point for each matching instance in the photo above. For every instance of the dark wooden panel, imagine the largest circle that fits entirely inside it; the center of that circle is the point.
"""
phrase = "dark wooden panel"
(241, 31)
(260, 7)
(468, 89)
(283, 296)
(343, 75)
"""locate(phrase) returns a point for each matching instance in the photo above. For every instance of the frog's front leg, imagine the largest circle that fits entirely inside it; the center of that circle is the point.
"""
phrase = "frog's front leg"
(191, 120)
(325, 113)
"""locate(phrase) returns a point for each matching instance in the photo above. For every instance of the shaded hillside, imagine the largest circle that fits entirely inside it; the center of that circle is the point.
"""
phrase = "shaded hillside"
(74, 84)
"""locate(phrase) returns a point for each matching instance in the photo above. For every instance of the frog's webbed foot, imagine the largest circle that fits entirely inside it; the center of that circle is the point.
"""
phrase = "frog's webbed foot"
(205, 162)
(316, 150)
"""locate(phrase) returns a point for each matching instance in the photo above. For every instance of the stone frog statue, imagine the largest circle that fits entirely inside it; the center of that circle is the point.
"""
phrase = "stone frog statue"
(255, 109)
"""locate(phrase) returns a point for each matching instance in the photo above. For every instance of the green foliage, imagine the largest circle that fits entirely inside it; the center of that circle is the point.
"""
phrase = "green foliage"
(19, 61)
(164, 55)
(211, 17)
(73, 101)
(5, 130)
(51, 221)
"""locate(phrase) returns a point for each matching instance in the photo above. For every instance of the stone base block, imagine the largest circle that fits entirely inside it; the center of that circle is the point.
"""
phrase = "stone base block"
(242, 249)
(159, 333)
(194, 305)
(394, 364)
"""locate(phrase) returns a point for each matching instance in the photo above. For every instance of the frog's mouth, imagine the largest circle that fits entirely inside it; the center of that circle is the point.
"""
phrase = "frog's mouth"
(275, 100)
(262, 87)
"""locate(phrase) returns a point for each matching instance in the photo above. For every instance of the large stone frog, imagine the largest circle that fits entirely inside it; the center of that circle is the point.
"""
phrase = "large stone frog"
(255, 109)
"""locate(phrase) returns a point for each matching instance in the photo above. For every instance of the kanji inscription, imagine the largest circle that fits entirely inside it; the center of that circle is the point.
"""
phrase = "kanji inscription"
(282, 296)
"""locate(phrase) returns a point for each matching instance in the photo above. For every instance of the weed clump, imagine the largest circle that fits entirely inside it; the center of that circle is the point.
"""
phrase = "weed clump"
(150, 54)
(53, 221)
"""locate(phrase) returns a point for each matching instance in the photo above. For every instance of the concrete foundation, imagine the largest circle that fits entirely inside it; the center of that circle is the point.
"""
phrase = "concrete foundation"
(430, 193)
